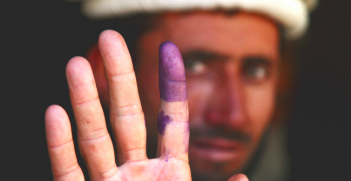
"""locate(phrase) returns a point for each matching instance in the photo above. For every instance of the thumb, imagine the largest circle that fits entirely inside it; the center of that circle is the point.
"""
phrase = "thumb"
(238, 177)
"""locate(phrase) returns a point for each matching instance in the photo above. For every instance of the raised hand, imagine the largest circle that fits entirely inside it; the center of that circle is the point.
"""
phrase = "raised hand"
(127, 120)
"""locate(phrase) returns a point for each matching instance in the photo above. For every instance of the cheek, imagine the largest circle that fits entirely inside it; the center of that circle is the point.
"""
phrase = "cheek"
(199, 92)
(260, 105)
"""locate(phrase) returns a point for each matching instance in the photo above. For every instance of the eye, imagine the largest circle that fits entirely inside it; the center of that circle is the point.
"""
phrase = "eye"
(256, 72)
(197, 62)
(194, 66)
(256, 69)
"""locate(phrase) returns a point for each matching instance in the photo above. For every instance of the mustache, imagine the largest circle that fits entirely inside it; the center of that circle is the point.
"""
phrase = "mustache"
(215, 133)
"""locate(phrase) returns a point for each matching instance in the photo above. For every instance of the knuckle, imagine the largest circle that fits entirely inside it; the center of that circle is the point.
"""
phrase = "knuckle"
(66, 171)
(129, 110)
(123, 76)
(95, 135)
(60, 146)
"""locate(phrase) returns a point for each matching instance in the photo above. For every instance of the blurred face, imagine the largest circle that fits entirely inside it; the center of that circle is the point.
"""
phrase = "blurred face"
(231, 68)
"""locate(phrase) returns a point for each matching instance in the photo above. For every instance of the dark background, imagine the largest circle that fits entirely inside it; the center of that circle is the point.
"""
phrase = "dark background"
(39, 37)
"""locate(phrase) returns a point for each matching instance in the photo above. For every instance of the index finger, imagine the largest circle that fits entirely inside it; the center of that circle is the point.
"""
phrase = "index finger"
(173, 122)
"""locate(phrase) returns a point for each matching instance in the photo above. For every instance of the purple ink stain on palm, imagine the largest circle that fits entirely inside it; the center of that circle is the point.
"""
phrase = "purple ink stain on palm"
(162, 121)
(171, 73)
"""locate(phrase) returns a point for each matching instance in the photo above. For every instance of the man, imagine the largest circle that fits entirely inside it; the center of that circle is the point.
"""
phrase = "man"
(231, 60)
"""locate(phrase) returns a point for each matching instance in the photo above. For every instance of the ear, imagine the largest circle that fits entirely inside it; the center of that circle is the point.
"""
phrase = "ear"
(95, 60)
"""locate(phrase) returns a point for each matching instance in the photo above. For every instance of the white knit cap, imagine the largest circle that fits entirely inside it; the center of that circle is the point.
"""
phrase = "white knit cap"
(292, 14)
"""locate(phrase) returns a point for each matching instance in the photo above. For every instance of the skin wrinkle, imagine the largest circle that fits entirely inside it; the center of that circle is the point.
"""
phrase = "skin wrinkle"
(176, 157)
(135, 161)
(119, 117)
(122, 75)
(133, 149)
(175, 108)
(95, 134)
(114, 170)
(163, 120)
(60, 145)
(69, 170)
(128, 111)
(158, 178)
(87, 101)
(94, 139)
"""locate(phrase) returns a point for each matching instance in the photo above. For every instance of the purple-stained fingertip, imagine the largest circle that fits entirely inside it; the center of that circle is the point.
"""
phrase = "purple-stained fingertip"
(171, 73)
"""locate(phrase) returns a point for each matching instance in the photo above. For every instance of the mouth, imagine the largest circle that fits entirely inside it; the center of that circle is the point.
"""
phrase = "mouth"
(215, 149)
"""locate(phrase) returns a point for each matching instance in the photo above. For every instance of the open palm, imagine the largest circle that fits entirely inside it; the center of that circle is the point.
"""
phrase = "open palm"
(127, 120)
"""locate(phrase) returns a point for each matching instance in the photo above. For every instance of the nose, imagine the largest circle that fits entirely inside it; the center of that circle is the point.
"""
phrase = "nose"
(226, 107)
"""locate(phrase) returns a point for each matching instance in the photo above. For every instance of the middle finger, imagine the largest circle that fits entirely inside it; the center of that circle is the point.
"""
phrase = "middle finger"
(127, 117)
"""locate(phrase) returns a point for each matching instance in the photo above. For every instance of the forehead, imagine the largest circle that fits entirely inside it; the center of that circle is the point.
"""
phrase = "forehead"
(236, 35)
